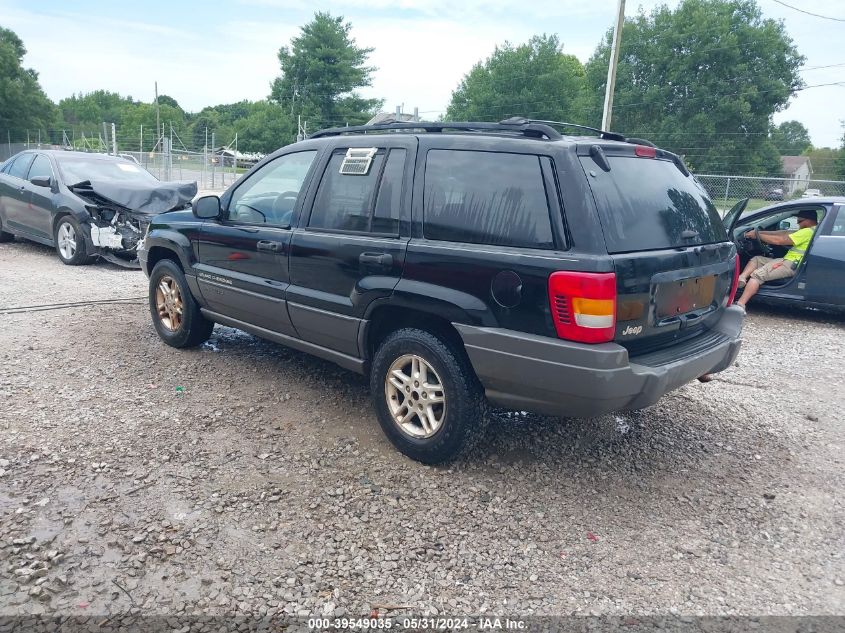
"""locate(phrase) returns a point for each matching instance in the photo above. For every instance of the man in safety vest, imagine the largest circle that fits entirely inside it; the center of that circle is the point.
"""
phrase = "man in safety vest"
(763, 269)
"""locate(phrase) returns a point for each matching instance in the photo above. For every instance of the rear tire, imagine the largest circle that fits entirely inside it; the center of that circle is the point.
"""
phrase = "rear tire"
(176, 314)
(4, 236)
(70, 242)
(428, 400)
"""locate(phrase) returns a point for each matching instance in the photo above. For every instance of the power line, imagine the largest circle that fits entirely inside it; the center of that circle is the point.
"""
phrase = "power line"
(815, 15)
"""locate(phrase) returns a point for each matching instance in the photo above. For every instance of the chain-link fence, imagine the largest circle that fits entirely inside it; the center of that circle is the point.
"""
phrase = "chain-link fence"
(211, 171)
(214, 166)
(728, 190)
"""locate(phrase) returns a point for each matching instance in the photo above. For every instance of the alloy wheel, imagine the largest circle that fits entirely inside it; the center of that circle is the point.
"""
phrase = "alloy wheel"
(415, 396)
(169, 303)
(67, 240)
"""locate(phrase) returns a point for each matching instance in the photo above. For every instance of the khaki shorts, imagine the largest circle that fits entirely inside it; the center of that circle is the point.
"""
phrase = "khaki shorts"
(769, 269)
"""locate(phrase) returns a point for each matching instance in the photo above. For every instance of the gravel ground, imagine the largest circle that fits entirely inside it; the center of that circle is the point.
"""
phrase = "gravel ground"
(243, 477)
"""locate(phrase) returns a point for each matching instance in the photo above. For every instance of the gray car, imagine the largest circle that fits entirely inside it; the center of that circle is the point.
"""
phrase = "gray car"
(818, 280)
(85, 205)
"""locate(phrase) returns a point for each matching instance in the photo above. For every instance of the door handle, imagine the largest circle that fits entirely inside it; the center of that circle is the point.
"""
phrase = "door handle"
(267, 245)
(379, 259)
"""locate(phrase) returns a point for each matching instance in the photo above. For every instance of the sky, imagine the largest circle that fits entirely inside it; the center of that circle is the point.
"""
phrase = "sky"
(207, 53)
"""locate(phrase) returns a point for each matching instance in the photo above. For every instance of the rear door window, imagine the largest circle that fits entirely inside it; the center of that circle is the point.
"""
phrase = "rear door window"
(344, 201)
(838, 228)
(486, 198)
(389, 200)
(648, 204)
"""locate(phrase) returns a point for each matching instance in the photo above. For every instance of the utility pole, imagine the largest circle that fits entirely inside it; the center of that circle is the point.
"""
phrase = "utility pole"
(113, 139)
(235, 159)
(141, 146)
(106, 138)
(611, 68)
(205, 156)
(170, 155)
(9, 141)
(212, 159)
(158, 125)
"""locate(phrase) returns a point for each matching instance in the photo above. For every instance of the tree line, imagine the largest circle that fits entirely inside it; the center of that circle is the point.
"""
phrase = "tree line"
(703, 80)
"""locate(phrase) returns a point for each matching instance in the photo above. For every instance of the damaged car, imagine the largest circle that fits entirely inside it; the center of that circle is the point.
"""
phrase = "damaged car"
(85, 205)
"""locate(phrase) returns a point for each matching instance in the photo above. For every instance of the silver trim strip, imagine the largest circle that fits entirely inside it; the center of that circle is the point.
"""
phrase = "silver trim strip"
(326, 312)
(471, 247)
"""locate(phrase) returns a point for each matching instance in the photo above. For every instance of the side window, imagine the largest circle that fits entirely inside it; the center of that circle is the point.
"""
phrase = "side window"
(269, 195)
(41, 168)
(20, 166)
(486, 198)
(389, 200)
(344, 201)
(839, 223)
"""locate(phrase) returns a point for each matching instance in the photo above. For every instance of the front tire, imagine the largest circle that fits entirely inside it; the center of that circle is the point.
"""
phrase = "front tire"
(70, 242)
(176, 315)
(427, 397)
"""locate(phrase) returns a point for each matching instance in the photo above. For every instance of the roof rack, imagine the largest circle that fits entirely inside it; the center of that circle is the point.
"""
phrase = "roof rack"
(534, 128)
(526, 128)
(611, 136)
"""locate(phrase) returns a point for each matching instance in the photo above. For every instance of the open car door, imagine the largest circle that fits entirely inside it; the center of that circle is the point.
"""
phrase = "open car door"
(732, 216)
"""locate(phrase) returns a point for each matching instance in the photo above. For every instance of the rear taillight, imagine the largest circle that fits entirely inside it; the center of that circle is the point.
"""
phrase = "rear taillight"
(735, 283)
(583, 306)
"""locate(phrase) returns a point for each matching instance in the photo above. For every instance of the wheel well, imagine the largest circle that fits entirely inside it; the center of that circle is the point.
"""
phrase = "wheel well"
(388, 319)
(61, 214)
(158, 253)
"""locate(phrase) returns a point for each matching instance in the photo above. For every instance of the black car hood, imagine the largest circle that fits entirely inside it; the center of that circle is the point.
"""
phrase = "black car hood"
(138, 197)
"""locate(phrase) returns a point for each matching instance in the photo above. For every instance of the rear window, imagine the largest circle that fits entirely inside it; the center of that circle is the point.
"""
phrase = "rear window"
(648, 204)
(79, 169)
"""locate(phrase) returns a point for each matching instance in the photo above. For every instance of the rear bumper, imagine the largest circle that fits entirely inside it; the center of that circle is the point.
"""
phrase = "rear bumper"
(554, 377)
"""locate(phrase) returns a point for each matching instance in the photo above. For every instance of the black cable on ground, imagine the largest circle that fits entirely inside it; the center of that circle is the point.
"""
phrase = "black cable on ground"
(75, 304)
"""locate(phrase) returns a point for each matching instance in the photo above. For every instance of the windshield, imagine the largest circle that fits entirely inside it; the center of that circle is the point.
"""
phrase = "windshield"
(75, 170)
(648, 204)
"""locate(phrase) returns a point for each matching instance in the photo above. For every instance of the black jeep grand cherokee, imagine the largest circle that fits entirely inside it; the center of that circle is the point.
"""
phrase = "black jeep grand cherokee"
(565, 275)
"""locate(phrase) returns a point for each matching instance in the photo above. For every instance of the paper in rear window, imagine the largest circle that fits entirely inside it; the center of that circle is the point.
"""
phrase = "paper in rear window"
(647, 204)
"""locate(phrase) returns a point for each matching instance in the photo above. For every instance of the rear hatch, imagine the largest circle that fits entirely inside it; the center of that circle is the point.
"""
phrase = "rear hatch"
(673, 262)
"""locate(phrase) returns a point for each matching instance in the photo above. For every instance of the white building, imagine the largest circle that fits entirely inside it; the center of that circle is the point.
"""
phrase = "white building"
(797, 172)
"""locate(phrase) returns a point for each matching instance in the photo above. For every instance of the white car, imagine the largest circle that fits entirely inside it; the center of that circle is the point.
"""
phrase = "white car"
(812, 193)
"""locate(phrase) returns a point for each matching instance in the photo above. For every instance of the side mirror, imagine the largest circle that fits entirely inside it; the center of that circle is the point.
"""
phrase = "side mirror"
(41, 182)
(207, 207)
(784, 225)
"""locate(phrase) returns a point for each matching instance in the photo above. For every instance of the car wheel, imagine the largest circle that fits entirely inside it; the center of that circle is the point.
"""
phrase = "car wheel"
(70, 243)
(176, 315)
(4, 236)
(428, 400)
